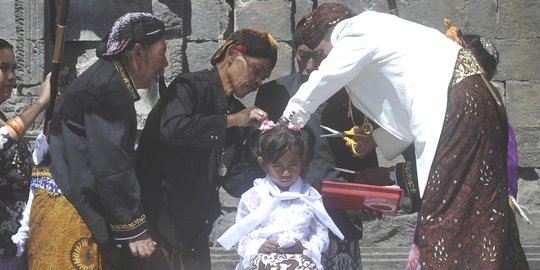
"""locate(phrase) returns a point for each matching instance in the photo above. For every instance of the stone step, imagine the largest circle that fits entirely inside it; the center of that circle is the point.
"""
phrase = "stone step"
(373, 258)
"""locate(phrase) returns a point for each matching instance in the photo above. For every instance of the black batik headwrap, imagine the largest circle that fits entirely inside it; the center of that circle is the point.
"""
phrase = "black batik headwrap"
(323, 18)
(131, 28)
(249, 42)
(297, 36)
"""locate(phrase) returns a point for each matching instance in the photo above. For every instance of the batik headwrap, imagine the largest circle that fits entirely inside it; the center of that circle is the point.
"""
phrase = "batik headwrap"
(323, 18)
(131, 28)
(249, 42)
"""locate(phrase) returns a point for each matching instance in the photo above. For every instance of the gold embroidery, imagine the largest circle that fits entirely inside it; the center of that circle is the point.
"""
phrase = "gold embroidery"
(127, 81)
(39, 171)
(409, 181)
(129, 227)
(466, 65)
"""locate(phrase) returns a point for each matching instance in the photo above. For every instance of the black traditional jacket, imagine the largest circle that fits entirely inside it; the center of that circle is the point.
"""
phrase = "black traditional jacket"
(92, 151)
(183, 140)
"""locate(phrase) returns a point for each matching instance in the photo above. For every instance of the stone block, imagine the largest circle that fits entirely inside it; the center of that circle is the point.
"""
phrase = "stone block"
(30, 57)
(8, 31)
(519, 59)
(528, 143)
(518, 19)
(199, 54)
(209, 19)
(476, 17)
(175, 56)
(171, 13)
(273, 17)
(284, 61)
(430, 13)
(91, 20)
(522, 104)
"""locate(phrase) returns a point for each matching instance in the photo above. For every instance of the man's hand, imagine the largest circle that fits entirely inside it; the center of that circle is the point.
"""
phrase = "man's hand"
(364, 144)
(142, 246)
(247, 117)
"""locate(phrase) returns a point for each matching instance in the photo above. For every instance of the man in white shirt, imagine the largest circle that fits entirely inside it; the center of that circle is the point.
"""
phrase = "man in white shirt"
(421, 88)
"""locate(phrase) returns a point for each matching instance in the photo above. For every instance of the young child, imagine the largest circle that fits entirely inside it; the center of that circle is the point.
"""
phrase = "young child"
(281, 219)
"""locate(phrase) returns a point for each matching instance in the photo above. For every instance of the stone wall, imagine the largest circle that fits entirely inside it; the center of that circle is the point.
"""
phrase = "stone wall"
(196, 28)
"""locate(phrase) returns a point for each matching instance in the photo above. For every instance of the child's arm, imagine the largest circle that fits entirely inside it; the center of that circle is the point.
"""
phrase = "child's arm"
(248, 245)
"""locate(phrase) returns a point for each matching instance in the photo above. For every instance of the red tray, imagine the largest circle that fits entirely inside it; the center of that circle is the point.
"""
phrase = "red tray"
(353, 196)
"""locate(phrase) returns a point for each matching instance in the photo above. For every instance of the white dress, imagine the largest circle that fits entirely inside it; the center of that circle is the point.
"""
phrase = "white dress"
(298, 214)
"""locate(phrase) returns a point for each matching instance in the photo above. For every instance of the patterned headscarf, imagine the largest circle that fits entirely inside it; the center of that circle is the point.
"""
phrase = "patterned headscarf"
(249, 42)
(321, 19)
(133, 27)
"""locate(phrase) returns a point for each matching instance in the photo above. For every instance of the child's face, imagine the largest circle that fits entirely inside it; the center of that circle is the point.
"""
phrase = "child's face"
(286, 170)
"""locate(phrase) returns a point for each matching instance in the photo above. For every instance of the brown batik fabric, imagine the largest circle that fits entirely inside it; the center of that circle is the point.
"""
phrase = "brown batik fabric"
(465, 221)
(65, 242)
(276, 261)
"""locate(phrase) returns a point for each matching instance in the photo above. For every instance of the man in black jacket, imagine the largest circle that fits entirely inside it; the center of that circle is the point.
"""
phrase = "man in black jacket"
(181, 154)
(93, 203)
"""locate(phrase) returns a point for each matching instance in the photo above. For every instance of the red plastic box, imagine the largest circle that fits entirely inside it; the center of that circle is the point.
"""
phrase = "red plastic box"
(353, 196)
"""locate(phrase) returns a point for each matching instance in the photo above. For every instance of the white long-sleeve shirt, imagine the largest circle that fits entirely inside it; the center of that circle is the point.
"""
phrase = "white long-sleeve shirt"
(397, 73)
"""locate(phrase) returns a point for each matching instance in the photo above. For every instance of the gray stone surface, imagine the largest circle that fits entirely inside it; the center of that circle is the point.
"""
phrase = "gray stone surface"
(209, 19)
(519, 59)
(518, 19)
(199, 54)
(91, 20)
(269, 16)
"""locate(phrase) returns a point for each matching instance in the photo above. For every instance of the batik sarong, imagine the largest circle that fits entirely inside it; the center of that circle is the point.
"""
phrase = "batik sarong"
(465, 220)
(276, 261)
(59, 239)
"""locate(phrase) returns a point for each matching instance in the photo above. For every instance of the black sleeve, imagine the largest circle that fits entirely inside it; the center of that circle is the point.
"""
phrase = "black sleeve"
(408, 181)
(186, 117)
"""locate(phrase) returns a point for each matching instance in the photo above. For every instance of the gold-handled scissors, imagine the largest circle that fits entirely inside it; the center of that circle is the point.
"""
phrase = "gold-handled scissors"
(345, 135)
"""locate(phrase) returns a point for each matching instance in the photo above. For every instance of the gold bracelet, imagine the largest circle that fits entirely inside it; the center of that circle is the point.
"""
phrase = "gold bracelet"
(17, 126)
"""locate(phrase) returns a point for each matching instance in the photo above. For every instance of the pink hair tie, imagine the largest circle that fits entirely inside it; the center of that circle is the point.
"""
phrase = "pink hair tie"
(294, 127)
(267, 125)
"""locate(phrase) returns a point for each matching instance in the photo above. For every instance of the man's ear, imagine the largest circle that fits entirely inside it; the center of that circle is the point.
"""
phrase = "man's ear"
(260, 160)
(138, 53)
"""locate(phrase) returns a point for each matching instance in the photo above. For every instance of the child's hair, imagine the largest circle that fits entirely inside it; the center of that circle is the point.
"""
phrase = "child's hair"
(274, 143)
(5, 44)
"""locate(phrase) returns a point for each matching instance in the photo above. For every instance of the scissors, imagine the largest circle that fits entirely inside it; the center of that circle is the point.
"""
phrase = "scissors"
(345, 135)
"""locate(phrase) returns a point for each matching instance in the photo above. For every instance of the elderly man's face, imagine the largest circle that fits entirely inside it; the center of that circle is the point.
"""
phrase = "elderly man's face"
(154, 61)
(246, 73)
